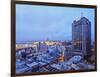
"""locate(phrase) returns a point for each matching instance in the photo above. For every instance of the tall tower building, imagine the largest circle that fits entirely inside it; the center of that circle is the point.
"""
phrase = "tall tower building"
(81, 36)
(38, 46)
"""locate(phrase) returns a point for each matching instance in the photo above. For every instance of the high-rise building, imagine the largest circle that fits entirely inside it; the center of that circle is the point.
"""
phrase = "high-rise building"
(41, 46)
(81, 36)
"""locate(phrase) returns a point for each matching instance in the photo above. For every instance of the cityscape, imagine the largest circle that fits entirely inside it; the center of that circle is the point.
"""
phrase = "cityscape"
(58, 55)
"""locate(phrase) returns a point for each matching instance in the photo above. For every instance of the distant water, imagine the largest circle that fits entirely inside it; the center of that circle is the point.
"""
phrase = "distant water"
(23, 42)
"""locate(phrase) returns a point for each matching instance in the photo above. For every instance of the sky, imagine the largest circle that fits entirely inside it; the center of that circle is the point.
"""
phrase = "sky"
(37, 22)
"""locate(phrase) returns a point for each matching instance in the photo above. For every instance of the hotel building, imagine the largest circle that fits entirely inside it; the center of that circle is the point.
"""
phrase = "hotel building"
(81, 36)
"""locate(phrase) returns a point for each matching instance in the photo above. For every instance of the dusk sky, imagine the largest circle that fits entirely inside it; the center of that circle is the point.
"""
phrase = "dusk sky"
(48, 22)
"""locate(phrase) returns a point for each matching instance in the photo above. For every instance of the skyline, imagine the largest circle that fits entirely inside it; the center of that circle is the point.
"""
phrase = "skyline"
(49, 22)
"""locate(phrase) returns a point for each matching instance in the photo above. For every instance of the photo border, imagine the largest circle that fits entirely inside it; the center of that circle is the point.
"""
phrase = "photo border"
(13, 35)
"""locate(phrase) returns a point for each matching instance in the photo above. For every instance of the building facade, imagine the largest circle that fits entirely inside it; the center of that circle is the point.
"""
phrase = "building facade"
(81, 36)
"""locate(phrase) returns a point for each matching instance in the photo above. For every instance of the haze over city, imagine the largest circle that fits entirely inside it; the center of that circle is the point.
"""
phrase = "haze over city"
(47, 22)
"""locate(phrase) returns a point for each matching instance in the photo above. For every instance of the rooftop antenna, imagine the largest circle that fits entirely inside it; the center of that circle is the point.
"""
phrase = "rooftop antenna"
(47, 39)
(81, 14)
